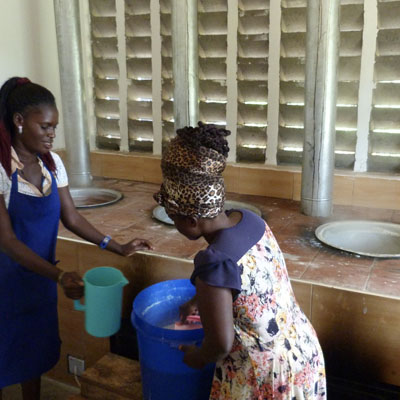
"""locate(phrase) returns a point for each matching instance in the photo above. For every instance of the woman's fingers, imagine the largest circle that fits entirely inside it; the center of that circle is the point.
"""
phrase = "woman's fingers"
(72, 285)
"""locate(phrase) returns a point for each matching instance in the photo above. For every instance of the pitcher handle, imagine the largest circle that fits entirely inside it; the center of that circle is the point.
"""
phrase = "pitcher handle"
(78, 306)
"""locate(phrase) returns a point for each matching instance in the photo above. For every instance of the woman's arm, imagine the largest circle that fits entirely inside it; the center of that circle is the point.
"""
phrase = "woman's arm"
(215, 307)
(79, 225)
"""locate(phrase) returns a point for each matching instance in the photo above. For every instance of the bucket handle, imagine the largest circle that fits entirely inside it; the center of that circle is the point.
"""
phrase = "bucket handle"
(79, 306)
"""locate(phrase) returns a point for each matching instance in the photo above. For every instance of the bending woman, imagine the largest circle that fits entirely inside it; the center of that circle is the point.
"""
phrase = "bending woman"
(34, 195)
(263, 344)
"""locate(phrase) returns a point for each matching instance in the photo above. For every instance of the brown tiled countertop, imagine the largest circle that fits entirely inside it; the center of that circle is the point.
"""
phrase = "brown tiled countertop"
(307, 259)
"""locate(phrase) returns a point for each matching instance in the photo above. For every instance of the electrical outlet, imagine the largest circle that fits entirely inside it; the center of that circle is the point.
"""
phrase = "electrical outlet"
(76, 366)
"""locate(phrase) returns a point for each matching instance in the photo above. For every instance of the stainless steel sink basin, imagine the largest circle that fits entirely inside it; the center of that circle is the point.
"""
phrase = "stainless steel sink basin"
(368, 238)
(94, 197)
(160, 214)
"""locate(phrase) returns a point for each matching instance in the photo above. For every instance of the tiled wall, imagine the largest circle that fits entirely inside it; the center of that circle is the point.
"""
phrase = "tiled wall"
(360, 334)
(353, 189)
(366, 190)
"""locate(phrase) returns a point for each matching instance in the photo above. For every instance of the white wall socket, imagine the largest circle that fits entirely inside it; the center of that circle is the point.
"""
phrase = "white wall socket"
(76, 366)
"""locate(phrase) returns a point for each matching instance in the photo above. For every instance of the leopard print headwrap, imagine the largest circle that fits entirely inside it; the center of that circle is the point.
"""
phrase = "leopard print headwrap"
(192, 180)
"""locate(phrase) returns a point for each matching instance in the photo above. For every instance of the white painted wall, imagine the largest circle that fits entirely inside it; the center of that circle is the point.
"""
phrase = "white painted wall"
(28, 47)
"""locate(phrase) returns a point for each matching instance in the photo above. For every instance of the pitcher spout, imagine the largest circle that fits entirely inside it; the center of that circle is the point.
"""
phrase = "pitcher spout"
(124, 281)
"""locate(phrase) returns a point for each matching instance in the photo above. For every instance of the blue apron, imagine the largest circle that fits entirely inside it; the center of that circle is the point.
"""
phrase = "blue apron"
(29, 339)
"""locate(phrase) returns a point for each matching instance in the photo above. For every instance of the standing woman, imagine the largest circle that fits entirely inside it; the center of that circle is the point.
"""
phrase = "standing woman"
(263, 344)
(34, 195)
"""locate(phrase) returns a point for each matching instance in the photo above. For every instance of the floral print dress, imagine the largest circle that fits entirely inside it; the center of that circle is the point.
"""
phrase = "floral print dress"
(276, 353)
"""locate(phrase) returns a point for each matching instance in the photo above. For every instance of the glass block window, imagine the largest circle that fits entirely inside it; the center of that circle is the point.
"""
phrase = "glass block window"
(350, 51)
(384, 137)
(105, 73)
(292, 76)
(252, 80)
(139, 75)
(167, 82)
(212, 45)
(239, 43)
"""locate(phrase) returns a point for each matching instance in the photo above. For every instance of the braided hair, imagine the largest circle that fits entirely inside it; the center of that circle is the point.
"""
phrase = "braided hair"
(20, 95)
(206, 135)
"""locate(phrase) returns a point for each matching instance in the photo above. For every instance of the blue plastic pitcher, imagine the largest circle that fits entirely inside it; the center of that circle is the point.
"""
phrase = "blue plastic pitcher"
(103, 300)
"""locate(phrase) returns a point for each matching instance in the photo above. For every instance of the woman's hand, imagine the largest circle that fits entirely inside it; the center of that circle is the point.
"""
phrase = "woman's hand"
(188, 308)
(72, 285)
(193, 357)
(76, 223)
(134, 245)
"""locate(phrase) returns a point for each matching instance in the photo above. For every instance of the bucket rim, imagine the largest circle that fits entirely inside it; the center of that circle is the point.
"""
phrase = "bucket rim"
(159, 333)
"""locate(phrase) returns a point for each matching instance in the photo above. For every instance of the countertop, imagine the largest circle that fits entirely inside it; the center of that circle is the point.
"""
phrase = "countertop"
(307, 259)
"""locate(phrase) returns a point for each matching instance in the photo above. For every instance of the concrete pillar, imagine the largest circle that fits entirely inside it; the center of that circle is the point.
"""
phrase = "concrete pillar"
(322, 54)
(185, 62)
(72, 92)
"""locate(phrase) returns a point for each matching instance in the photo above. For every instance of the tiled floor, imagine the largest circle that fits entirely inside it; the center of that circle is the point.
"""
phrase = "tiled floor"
(341, 389)
(338, 389)
(307, 258)
(50, 390)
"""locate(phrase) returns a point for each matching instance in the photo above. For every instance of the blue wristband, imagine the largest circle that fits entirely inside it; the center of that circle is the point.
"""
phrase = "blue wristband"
(103, 244)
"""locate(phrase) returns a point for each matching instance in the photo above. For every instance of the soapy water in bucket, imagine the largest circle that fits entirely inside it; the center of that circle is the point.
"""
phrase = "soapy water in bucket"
(171, 319)
(171, 315)
(192, 322)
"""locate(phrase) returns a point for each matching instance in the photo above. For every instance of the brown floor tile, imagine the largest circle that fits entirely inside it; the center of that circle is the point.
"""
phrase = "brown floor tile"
(51, 389)
(384, 282)
(334, 274)
(329, 254)
(391, 264)
(300, 248)
(296, 266)
(301, 225)
(306, 256)
(126, 235)
(179, 247)
(279, 218)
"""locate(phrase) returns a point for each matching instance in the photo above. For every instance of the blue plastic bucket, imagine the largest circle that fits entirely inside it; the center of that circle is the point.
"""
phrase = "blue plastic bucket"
(164, 375)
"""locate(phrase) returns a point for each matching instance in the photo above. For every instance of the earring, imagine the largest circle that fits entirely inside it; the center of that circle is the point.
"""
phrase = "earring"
(19, 129)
